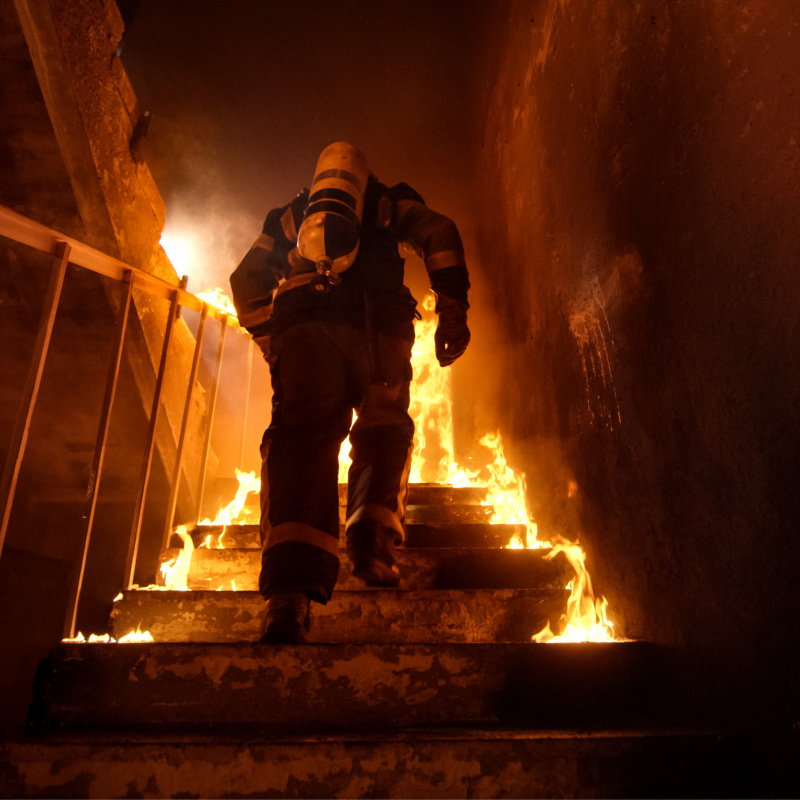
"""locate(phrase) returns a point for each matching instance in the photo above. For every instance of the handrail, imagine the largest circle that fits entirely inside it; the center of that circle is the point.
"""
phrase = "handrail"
(29, 232)
(67, 250)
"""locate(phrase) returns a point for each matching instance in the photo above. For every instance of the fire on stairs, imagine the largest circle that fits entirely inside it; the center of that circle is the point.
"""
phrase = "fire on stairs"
(433, 689)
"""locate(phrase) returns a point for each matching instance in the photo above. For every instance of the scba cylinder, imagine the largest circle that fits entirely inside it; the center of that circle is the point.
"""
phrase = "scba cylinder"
(329, 233)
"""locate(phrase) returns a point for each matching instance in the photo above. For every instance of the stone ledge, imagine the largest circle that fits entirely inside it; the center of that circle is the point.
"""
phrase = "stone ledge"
(380, 616)
(418, 764)
(314, 688)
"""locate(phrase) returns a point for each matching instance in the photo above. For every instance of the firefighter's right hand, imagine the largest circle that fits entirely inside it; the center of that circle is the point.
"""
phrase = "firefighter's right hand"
(452, 334)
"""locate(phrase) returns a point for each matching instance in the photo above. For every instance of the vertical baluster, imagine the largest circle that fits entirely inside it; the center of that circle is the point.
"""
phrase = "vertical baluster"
(144, 480)
(176, 473)
(100, 450)
(19, 439)
(246, 399)
(212, 405)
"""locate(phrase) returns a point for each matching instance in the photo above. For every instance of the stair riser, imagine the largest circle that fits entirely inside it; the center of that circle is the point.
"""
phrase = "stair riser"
(425, 514)
(419, 494)
(419, 569)
(417, 535)
(578, 766)
(377, 617)
(319, 687)
(439, 514)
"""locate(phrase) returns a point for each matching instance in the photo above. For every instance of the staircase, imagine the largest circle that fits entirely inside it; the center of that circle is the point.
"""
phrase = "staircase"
(430, 690)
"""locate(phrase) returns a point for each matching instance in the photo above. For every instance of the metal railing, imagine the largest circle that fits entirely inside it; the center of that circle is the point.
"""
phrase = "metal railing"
(66, 250)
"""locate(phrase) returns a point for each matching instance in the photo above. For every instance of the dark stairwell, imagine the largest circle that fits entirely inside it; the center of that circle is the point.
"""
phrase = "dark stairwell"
(633, 188)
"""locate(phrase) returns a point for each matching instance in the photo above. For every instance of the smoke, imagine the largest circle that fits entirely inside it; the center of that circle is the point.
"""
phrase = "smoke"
(209, 223)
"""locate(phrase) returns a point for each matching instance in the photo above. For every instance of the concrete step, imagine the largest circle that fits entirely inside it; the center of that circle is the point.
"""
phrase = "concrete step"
(418, 494)
(454, 512)
(425, 514)
(316, 688)
(420, 568)
(417, 535)
(444, 763)
(381, 616)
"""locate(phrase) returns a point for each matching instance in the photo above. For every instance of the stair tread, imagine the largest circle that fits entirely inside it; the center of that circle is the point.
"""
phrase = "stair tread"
(420, 568)
(418, 535)
(382, 615)
(407, 763)
(256, 735)
(346, 685)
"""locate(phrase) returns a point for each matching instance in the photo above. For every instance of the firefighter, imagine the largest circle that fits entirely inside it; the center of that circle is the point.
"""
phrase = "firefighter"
(321, 292)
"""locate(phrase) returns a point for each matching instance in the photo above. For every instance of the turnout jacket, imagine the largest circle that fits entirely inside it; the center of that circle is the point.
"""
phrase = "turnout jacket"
(271, 286)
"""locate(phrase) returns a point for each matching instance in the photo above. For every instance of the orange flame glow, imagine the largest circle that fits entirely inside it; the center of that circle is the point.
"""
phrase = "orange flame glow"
(344, 455)
(433, 459)
(136, 636)
(235, 512)
(217, 297)
(106, 638)
(586, 618)
(176, 571)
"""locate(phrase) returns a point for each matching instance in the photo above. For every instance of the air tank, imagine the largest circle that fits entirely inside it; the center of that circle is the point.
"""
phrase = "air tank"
(331, 226)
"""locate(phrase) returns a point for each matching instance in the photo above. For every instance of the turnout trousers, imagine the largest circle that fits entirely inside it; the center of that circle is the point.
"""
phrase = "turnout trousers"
(321, 373)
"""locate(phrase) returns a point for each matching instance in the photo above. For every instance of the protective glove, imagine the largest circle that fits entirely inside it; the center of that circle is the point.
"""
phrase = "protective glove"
(452, 334)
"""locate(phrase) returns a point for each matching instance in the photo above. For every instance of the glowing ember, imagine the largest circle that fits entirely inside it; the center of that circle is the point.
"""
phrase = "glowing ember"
(176, 571)
(586, 618)
(235, 512)
(217, 297)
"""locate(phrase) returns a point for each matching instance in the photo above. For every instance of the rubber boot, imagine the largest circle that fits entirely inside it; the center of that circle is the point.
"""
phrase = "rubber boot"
(371, 550)
(287, 619)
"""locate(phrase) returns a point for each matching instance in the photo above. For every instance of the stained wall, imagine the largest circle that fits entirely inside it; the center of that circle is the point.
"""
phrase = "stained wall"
(639, 249)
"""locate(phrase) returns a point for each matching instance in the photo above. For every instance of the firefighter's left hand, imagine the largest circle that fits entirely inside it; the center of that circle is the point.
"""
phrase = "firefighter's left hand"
(452, 334)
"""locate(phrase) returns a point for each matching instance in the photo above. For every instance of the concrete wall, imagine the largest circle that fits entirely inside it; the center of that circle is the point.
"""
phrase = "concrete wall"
(69, 113)
(640, 246)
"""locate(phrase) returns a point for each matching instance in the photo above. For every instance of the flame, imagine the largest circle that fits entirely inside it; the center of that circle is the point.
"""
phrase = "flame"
(344, 455)
(433, 459)
(136, 636)
(176, 571)
(505, 493)
(586, 617)
(218, 298)
(235, 512)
